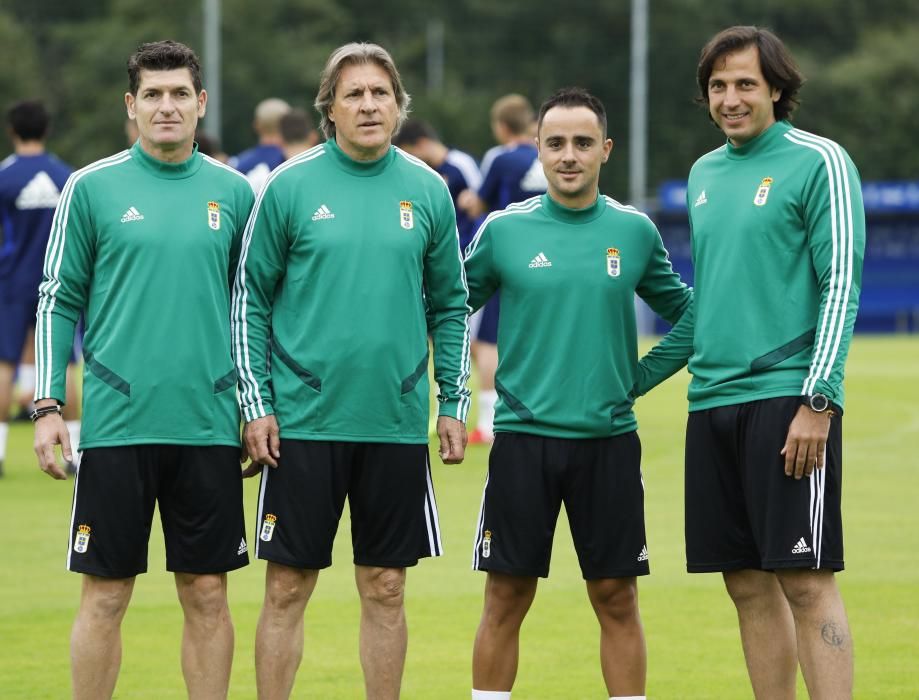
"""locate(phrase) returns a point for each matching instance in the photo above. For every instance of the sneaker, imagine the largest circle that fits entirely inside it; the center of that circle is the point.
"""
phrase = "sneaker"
(480, 437)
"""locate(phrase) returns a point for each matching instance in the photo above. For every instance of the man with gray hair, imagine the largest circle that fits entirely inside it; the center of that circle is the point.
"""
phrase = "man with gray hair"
(257, 162)
(350, 258)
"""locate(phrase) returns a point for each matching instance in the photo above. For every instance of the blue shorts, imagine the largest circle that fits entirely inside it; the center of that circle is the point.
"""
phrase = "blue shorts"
(18, 318)
(487, 329)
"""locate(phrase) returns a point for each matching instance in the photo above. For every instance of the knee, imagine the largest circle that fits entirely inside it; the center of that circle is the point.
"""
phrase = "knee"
(384, 588)
(507, 599)
(286, 588)
(615, 599)
(106, 600)
(204, 595)
(805, 589)
(748, 588)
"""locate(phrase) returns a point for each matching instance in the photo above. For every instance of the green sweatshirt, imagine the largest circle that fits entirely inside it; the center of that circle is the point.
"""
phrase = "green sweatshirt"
(340, 262)
(566, 334)
(778, 240)
(146, 250)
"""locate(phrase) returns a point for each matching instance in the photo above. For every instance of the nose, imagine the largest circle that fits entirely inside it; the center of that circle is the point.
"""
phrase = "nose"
(367, 103)
(731, 96)
(568, 153)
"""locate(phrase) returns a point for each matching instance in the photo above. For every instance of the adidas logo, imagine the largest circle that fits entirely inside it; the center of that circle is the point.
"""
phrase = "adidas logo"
(323, 212)
(801, 547)
(242, 547)
(131, 215)
(701, 199)
(540, 261)
(644, 553)
(40, 193)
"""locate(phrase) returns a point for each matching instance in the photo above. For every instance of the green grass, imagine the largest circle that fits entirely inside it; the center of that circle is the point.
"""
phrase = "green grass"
(693, 643)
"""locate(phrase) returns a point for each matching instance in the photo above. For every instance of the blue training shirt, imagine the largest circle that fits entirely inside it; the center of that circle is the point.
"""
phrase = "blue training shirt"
(511, 174)
(30, 187)
(460, 172)
(256, 163)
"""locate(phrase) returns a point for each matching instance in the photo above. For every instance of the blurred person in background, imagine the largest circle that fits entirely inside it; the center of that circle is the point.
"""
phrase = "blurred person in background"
(31, 180)
(297, 133)
(256, 163)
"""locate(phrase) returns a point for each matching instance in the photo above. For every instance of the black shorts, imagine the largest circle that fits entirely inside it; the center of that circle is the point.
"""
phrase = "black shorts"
(599, 481)
(200, 496)
(390, 494)
(742, 512)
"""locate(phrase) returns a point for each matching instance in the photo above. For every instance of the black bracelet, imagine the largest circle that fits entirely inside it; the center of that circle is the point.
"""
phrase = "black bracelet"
(44, 411)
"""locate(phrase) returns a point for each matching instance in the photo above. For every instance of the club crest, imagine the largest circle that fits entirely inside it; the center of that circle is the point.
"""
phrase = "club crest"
(213, 215)
(762, 192)
(267, 531)
(81, 541)
(613, 262)
(405, 215)
(486, 544)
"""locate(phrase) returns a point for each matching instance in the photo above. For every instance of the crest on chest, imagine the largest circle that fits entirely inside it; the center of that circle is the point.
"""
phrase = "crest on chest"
(613, 262)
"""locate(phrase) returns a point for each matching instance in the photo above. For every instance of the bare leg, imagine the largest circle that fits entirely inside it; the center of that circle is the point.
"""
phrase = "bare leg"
(207, 637)
(279, 637)
(384, 633)
(623, 657)
(497, 642)
(824, 641)
(95, 642)
(7, 372)
(767, 631)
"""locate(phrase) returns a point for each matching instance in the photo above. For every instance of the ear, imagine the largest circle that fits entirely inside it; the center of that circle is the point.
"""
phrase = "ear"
(129, 100)
(776, 94)
(607, 149)
(202, 103)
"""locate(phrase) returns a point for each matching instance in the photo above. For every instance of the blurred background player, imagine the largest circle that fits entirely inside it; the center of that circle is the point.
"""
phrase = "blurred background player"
(30, 186)
(209, 145)
(257, 162)
(458, 169)
(297, 133)
(511, 173)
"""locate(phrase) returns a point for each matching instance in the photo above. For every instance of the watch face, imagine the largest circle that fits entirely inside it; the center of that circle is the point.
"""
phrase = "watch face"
(819, 402)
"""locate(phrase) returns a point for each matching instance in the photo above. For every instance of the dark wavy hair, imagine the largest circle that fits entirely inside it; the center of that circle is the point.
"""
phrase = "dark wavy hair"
(776, 62)
(574, 97)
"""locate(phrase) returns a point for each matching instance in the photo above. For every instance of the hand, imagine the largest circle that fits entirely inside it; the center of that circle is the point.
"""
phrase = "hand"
(805, 445)
(469, 202)
(262, 443)
(452, 434)
(51, 430)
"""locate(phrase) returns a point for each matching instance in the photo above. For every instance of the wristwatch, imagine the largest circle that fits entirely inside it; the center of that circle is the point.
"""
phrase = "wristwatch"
(816, 402)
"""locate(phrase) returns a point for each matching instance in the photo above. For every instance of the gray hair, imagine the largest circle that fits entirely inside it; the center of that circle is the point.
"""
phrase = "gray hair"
(356, 53)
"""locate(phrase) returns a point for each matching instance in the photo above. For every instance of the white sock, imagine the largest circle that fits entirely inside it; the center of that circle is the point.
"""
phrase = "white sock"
(25, 379)
(4, 432)
(487, 400)
(73, 427)
(491, 694)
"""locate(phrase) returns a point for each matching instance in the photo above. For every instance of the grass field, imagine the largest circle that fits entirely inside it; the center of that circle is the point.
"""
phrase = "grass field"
(693, 643)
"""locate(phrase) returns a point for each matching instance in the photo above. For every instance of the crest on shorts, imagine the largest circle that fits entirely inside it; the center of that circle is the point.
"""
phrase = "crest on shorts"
(81, 541)
(406, 217)
(612, 262)
(486, 544)
(213, 215)
(267, 531)
(762, 192)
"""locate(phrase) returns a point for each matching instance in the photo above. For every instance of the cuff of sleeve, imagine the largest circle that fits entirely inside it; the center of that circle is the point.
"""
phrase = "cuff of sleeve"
(454, 408)
(832, 393)
(256, 410)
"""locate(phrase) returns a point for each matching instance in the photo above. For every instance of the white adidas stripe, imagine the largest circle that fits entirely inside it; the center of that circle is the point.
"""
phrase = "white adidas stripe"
(832, 327)
(260, 514)
(47, 290)
(431, 516)
(250, 398)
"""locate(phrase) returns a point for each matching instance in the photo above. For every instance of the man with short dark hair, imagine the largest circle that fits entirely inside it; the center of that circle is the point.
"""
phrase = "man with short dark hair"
(458, 169)
(350, 252)
(565, 430)
(297, 133)
(778, 236)
(31, 181)
(143, 243)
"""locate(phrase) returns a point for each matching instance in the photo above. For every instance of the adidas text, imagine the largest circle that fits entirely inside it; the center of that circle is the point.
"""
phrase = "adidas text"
(644, 554)
(540, 261)
(801, 547)
(131, 215)
(323, 212)
(243, 548)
